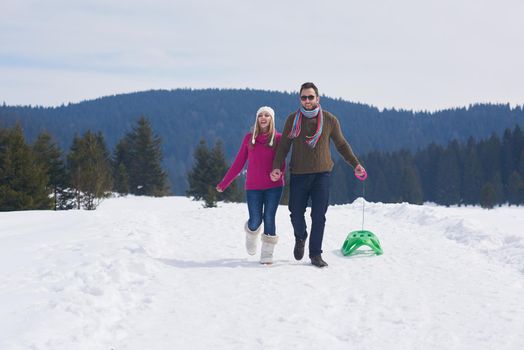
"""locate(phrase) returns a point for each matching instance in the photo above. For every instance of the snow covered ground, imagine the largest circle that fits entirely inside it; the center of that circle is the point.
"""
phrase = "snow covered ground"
(165, 273)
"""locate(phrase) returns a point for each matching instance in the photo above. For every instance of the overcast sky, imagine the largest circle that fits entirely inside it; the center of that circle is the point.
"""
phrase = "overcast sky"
(412, 54)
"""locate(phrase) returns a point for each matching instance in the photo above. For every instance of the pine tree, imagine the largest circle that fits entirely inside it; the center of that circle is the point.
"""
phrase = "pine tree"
(410, 184)
(498, 186)
(427, 162)
(201, 185)
(74, 170)
(218, 169)
(90, 169)
(121, 179)
(207, 171)
(508, 159)
(23, 180)
(376, 188)
(518, 148)
(120, 172)
(489, 152)
(520, 167)
(488, 196)
(49, 156)
(515, 186)
(471, 175)
(142, 158)
(448, 177)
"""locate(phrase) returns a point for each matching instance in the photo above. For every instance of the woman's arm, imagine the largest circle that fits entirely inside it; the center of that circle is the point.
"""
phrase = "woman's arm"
(237, 166)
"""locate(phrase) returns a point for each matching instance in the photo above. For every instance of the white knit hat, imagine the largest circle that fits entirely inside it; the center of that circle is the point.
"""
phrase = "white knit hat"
(272, 114)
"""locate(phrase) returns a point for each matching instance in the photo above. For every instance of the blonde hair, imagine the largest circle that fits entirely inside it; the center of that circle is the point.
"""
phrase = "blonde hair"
(272, 128)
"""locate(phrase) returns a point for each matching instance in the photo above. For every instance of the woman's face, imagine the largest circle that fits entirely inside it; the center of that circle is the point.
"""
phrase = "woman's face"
(264, 119)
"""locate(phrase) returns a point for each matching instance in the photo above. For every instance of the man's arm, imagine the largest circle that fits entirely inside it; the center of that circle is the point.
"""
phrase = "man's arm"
(284, 145)
(342, 145)
(282, 151)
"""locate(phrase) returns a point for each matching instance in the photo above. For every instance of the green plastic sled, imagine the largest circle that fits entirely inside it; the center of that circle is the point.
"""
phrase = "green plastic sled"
(356, 239)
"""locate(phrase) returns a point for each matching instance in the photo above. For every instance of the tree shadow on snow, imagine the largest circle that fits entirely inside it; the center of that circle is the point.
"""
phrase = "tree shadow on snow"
(218, 263)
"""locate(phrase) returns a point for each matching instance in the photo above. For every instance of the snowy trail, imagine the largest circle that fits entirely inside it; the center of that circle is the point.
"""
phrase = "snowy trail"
(144, 273)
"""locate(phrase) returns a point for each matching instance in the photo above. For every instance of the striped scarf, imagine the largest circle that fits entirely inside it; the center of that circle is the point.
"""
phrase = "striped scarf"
(297, 121)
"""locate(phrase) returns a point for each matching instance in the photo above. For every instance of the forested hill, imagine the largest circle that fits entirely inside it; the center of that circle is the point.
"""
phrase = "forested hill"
(183, 116)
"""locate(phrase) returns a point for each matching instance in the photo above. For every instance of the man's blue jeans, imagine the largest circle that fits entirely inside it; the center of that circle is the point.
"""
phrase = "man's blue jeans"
(262, 205)
(302, 187)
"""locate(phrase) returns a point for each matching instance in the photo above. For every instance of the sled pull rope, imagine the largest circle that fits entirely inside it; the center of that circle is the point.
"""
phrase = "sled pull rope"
(362, 178)
(363, 203)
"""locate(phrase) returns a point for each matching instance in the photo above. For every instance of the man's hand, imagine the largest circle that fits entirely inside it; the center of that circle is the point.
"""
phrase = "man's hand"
(360, 171)
(219, 189)
(275, 175)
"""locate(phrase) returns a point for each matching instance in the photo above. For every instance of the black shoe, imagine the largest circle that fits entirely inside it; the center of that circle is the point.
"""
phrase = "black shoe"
(318, 262)
(298, 251)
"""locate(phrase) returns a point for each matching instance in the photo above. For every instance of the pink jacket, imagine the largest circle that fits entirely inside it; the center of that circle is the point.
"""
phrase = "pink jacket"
(259, 164)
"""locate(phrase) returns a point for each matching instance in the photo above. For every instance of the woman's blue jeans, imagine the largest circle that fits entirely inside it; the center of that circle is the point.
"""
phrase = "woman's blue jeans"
(262, 206)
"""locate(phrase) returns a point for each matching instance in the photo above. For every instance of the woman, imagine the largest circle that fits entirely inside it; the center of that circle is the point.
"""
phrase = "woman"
(263, 195)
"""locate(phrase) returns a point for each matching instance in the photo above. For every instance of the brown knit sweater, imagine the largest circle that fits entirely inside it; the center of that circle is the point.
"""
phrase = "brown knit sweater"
(306, 160)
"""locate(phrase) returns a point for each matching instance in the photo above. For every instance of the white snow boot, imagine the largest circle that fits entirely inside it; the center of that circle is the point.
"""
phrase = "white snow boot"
(251, 239)
(268, 245)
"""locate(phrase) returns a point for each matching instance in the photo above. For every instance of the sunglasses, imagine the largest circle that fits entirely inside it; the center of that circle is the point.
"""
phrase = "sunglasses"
(310, 97)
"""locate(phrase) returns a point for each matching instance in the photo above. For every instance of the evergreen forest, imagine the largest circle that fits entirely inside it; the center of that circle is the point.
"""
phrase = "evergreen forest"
(183, 117)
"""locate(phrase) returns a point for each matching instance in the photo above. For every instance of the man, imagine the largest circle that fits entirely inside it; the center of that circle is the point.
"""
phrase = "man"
(310, 130)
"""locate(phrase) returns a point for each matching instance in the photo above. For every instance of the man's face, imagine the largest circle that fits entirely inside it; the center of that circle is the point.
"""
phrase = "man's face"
(309, 99)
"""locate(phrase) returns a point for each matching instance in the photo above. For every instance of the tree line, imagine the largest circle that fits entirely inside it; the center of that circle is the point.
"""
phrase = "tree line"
(182, 117)
(40, 176)
(487, 172)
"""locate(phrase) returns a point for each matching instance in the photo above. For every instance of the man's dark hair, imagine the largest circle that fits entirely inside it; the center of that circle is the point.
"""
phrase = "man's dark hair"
(309, 85)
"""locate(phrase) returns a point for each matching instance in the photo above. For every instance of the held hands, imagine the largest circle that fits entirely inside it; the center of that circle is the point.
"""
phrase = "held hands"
(275, 175)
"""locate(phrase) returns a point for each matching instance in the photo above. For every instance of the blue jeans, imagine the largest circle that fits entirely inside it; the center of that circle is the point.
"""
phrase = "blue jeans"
(302, 187)
(262, 205)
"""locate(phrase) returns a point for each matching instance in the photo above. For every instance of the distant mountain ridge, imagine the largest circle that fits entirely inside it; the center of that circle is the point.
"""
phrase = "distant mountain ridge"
(181, 117)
